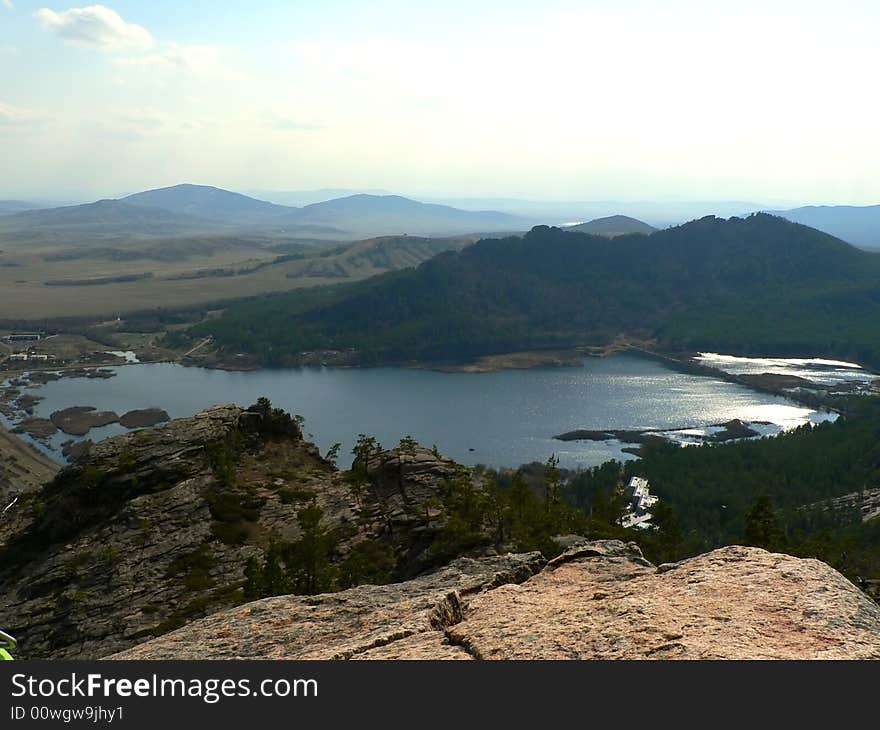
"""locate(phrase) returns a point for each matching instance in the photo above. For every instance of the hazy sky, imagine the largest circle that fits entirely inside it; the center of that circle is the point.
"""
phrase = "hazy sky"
(753, 100)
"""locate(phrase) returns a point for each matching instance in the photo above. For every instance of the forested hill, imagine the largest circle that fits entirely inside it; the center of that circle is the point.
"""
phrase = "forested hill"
(757, 284)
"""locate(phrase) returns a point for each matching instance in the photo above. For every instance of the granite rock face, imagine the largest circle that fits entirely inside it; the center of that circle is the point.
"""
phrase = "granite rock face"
(731, 603)
(867, 502)
(407, 479)
(152, 529)
(359, 623)
(123, 544)
(404, 486)
(598, 600)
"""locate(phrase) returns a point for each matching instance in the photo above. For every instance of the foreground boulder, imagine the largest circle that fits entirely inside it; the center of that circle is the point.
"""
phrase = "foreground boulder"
(731, 603)
(598, 600)
(362, 622)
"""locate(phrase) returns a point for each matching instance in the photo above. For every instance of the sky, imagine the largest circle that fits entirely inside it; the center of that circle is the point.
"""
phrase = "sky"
(770, 101)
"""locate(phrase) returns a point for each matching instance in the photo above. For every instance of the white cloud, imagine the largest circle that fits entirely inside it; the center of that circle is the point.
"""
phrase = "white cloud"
(96, 26)
(8, 4)
(206, 61)
(288, 123)
(141, 125)
(11, 116)
(15, 120)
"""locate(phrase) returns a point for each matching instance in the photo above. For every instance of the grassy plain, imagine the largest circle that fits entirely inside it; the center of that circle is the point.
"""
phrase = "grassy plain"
(180, 273)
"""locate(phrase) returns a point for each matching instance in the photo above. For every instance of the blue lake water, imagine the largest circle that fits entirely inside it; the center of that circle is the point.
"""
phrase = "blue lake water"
(500, 419)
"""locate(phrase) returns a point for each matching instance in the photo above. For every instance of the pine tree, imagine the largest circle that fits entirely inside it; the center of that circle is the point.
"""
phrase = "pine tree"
(762, 527)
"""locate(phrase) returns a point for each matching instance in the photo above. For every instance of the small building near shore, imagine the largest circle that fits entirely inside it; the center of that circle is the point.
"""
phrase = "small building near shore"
(23, 337)
(640, 501)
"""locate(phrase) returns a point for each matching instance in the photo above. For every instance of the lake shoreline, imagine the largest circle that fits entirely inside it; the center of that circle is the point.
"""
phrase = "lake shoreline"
(797, 389)
(502, 418)
(801, 391)
(21, 462)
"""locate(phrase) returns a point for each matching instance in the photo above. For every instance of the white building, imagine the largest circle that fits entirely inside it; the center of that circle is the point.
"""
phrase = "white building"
(641, 500)
(23, 337)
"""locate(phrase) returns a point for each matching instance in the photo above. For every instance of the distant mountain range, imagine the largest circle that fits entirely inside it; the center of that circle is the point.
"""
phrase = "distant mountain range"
(15, 206)
(859, 225)
(8, 207)
(188, 209)
(658, 213)
(101, 220)
(113, 212)
(299, 198)
(612, 226)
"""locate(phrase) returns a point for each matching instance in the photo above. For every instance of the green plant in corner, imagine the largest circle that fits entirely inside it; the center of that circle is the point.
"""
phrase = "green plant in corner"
(7, 646)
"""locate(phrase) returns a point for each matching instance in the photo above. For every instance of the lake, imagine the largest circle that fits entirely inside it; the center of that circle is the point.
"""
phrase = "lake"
(502, 418)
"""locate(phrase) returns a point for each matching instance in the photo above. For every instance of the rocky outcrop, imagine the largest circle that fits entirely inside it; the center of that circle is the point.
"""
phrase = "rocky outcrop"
(79, 420)
(360, 623)
(406, 478)
(124, 543)
(732, 603)
(598, 600)
(38, 428)
(866, 502)
(152, 529)
(143, 417)
(404, 486)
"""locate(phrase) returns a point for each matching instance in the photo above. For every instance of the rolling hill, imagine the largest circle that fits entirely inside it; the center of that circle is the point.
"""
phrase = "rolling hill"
(8, 207)
(210, 203)
(101, 219)
(858, 225)
(299, 198)
(388, 253)
(612, 226)
(755, 285)
(392, 214)
(101, 211)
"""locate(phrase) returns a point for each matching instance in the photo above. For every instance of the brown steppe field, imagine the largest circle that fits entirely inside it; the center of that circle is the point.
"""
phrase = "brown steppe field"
(180, 273)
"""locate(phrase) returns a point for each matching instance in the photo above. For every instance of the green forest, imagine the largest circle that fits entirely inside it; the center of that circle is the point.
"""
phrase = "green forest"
(772, 493)
(756, 285)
